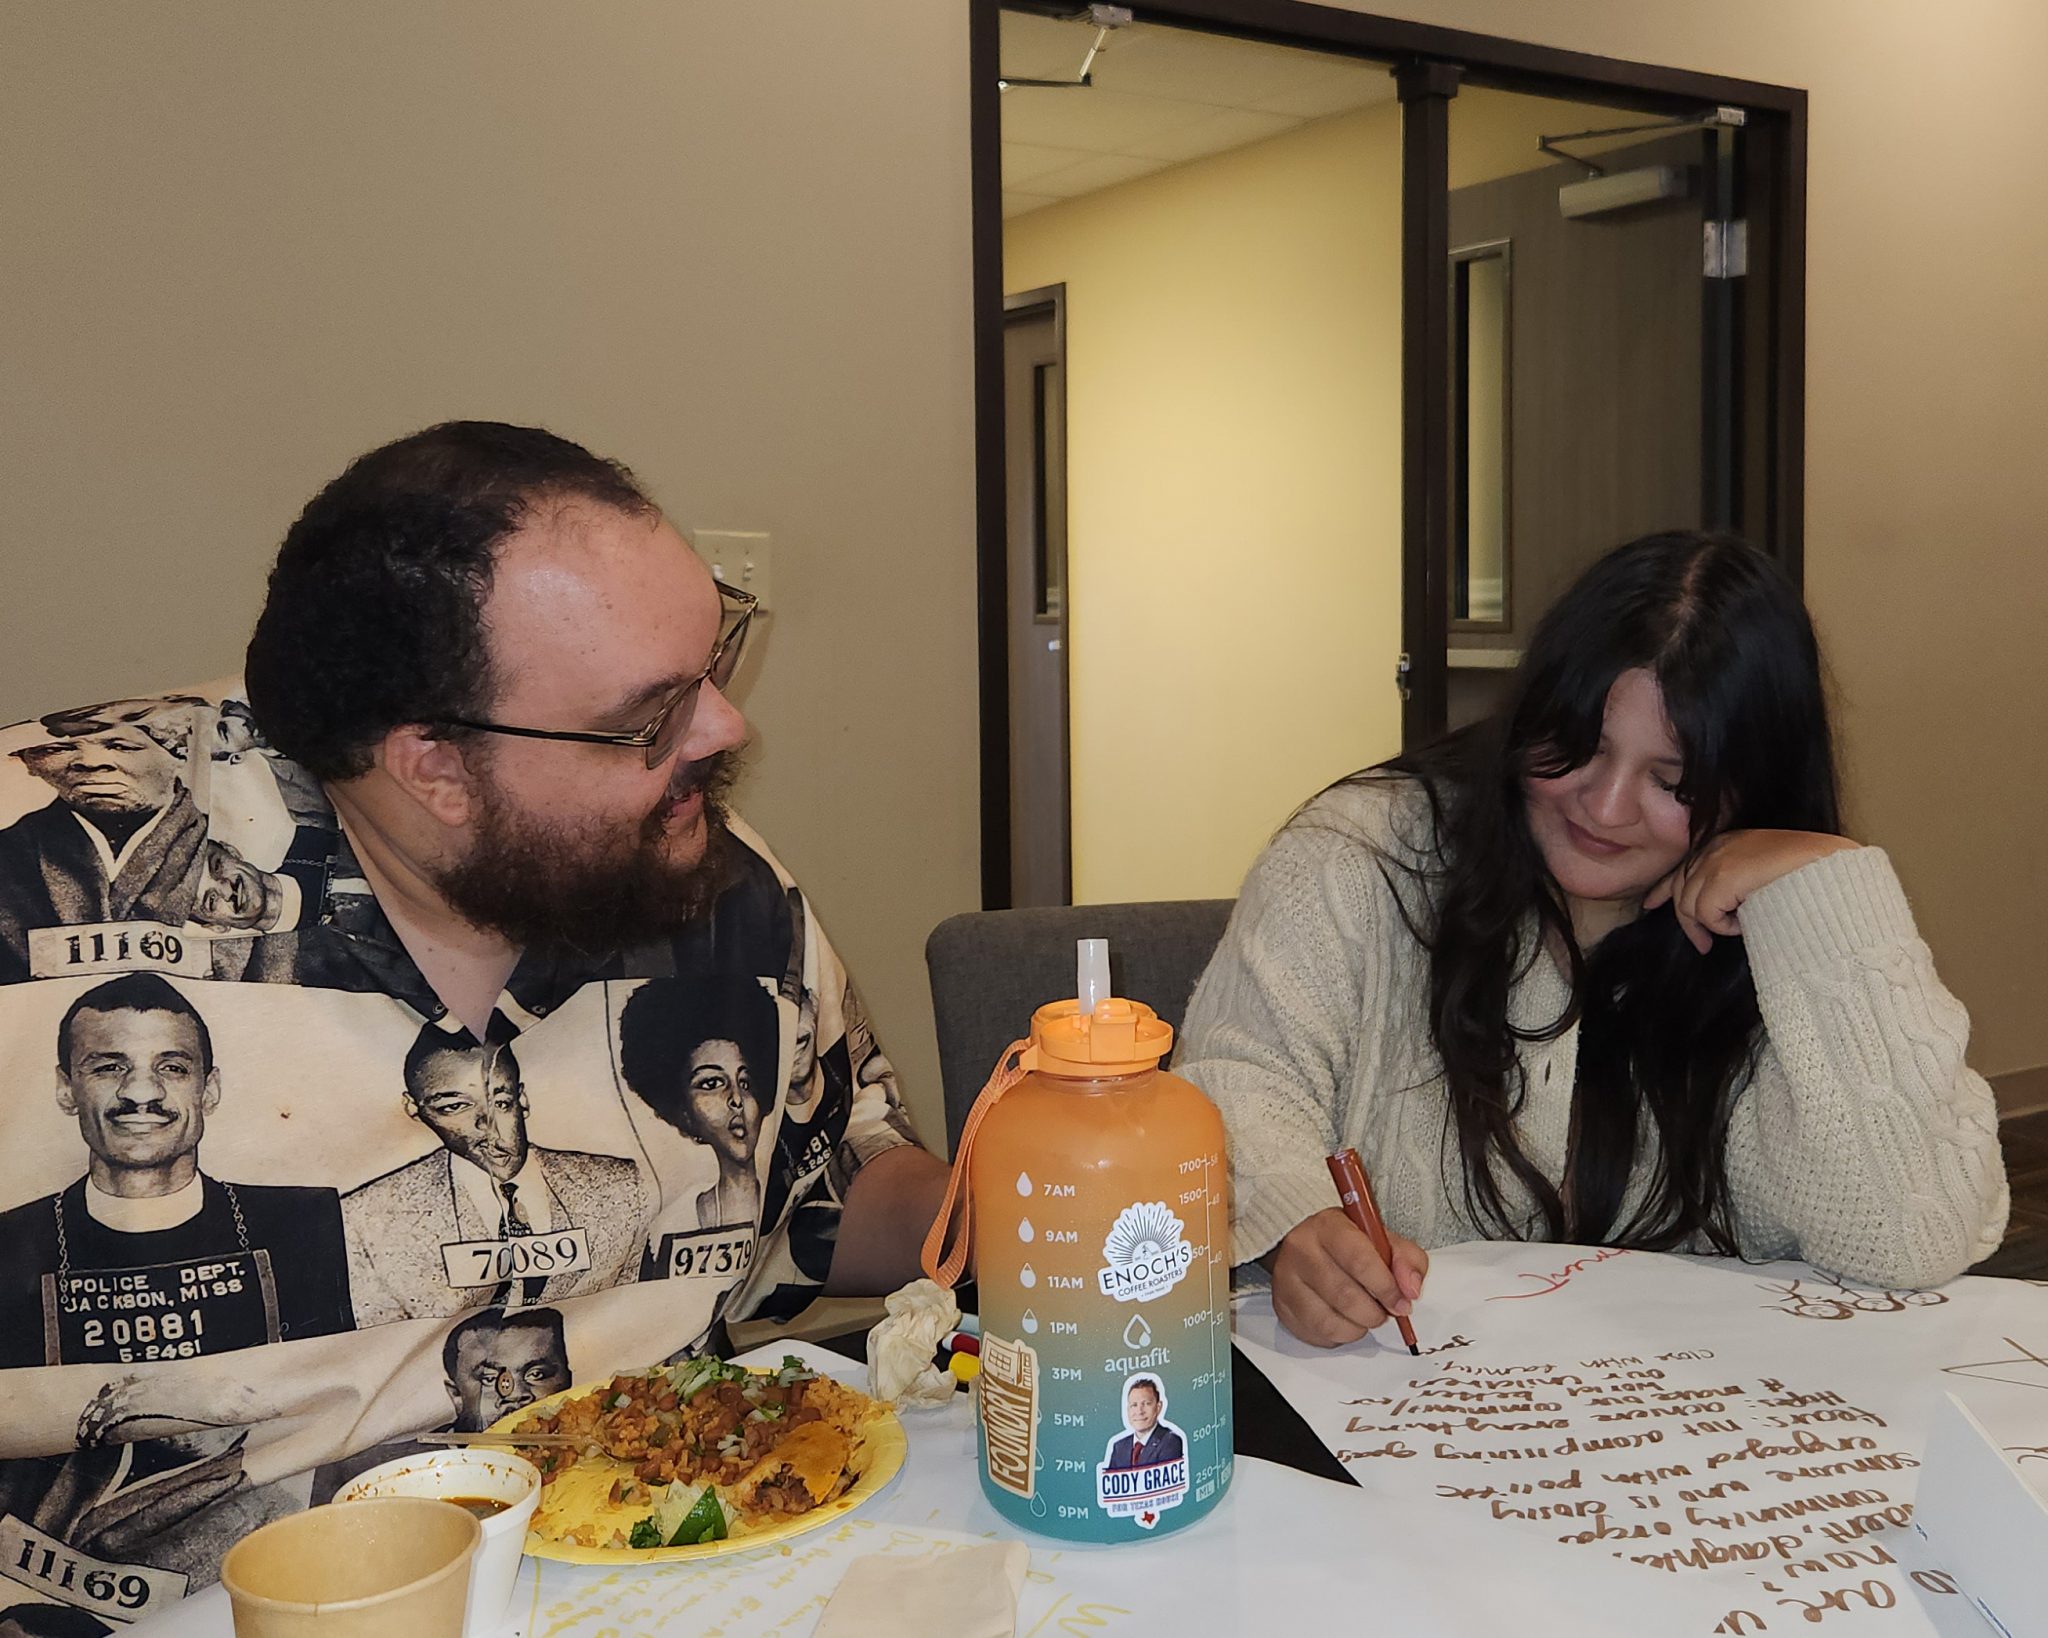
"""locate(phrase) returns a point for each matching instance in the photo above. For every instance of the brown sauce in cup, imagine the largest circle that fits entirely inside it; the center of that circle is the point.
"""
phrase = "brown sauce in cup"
(483, 1507)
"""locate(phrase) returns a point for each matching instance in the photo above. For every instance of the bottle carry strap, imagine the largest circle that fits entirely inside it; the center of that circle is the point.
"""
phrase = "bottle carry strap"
(942, 1265)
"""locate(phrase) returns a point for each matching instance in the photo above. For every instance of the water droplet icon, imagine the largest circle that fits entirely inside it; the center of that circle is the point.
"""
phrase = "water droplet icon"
(1026, 1232)
(1137, 1334)
(1029, 1322)
(1024, 1184)
(1028, 1277)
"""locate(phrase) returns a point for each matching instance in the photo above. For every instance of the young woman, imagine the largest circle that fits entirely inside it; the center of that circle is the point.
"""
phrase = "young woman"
(1601, 969)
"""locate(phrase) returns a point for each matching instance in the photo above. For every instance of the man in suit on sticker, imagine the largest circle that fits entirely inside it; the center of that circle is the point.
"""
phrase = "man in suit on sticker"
(489, 1217)
(145, 1257)
(1150, 1440)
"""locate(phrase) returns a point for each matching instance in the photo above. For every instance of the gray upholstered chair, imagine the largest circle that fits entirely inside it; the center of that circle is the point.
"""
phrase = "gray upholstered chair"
(991, 969)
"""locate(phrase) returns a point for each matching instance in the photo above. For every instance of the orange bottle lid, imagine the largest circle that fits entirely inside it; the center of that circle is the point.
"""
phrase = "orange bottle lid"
(1114, 1037)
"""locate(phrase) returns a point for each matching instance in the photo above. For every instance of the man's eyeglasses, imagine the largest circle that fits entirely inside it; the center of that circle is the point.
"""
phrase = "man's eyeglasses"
(664, 731)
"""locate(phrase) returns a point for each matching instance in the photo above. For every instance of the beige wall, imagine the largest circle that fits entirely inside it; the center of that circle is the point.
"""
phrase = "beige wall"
(730, 244)
(727, 243)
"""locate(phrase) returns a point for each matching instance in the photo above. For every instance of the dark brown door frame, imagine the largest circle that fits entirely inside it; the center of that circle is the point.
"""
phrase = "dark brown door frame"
(1049, 300)
(1430, 62)
(1426, 86)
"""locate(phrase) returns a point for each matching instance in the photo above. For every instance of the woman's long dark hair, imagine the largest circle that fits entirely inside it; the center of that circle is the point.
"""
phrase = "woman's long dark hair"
(1667, 1036)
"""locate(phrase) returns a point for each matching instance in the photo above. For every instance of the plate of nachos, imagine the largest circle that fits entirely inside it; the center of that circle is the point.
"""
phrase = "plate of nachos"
(694, 1460)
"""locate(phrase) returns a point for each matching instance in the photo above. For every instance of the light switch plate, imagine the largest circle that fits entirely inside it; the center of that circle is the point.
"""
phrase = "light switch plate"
(739, 557)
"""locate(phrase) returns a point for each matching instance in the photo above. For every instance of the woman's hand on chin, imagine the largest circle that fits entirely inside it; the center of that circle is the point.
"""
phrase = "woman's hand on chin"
(1707, 893)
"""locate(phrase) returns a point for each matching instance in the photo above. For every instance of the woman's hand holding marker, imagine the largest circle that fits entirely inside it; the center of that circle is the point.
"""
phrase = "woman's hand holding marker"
(1330, 1286)
(1707, 893)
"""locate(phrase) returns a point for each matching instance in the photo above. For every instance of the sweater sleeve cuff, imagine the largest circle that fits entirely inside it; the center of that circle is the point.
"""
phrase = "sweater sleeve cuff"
(1270, 1205)
(1826, 912)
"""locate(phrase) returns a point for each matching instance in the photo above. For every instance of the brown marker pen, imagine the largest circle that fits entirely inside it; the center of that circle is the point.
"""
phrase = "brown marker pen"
(1347, 1171)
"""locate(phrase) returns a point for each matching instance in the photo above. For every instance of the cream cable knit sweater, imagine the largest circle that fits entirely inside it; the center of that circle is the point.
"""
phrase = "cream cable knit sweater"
(1863, 1143)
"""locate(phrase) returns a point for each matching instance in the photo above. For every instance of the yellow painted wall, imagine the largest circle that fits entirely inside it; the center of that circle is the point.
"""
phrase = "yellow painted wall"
(1233, 482)
(1233, 495)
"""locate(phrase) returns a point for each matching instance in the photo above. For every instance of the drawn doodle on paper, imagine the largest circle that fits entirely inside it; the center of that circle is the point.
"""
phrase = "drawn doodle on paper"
(1827, 1297)
(1547, 1283)
(2026, 1369)
(2027, 1453)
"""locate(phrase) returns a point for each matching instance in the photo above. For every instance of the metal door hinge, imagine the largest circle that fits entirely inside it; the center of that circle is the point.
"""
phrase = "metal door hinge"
(1402, 667)
(1726, 249)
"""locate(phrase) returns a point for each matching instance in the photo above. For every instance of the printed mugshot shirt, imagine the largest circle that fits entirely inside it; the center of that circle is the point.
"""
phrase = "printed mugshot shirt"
(266, 1212)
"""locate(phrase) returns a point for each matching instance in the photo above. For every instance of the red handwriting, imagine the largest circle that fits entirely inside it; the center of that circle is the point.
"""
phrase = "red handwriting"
(1547, 1283)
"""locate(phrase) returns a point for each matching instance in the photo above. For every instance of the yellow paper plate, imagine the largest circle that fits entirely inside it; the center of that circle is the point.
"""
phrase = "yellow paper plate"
(877, 1458)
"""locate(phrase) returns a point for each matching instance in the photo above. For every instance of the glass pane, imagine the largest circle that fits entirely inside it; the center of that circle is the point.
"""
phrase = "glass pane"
(1576, 237)
(1479, 543)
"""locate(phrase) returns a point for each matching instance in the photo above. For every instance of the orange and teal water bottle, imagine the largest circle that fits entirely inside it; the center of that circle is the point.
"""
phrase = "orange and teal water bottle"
(1095, 1189)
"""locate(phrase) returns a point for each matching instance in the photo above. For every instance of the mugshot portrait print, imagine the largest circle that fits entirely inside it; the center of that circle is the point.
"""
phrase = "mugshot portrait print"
(701, 1055)
(488, 1216)
(145, 1256)
(497, 1362)
(149, 1495)
(119, 838)
(494, 1361)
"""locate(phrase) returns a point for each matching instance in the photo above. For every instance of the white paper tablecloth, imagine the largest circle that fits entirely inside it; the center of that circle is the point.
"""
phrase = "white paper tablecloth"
(1281, 1545)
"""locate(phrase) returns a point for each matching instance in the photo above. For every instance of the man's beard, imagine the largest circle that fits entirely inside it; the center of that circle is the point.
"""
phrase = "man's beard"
(555, 886)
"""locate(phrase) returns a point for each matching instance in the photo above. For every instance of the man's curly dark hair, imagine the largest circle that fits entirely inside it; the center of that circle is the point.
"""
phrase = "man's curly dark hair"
(374, 616)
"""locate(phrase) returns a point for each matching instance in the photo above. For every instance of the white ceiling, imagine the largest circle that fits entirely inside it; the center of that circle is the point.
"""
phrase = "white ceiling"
(1161, 96)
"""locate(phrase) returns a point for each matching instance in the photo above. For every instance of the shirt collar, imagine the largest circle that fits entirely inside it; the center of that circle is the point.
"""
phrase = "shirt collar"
(145, 1216)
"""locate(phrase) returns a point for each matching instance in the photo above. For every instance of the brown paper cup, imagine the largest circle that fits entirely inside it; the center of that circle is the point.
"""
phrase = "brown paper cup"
(370, 1569)
(497, 1474)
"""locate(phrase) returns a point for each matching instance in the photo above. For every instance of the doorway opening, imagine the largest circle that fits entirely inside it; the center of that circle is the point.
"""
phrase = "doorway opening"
(1369, 334)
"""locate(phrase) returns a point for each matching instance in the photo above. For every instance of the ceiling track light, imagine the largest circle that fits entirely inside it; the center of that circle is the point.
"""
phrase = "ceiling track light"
(1104, 18)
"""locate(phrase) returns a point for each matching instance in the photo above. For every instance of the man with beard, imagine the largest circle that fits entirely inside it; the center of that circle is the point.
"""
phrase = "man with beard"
(121, 840)
(504, 674)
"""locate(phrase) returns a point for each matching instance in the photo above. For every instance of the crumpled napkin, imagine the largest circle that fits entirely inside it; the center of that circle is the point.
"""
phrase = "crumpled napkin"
(963, 1592)
(900, 1369)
